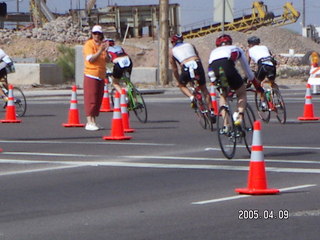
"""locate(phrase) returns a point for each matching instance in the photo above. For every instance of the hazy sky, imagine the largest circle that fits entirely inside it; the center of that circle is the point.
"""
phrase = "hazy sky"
(191, 11)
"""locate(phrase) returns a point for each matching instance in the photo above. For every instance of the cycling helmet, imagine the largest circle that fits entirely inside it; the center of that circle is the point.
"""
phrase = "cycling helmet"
(223, 40)
(254, 40)
(176, 38)
(111, 42)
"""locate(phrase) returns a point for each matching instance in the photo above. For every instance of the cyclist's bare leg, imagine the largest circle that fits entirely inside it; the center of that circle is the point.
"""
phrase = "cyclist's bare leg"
(3, 83)
(115, 83)
(242, 100)
(206, 94)
(185, 90)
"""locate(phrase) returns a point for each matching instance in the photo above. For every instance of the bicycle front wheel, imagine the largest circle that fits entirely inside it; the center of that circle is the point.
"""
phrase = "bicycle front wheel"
(138, 105)
(247, 126)
(226, 132)
(279, 106)
(263, 111)
(20, 101)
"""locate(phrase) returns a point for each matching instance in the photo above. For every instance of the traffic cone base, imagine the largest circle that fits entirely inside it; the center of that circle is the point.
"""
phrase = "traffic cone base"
(257, 180)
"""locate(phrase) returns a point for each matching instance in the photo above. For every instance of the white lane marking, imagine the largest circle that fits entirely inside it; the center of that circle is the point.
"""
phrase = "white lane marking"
(271, 147)
(95, 143)
(168, 166)
(245, 196)
(218, 159)
(37, 170)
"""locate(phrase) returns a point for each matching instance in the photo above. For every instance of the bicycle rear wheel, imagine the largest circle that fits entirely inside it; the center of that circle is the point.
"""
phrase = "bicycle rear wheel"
(263, 112)
(247, 126)
(202, 115)
(138, 105)
(226, 132)
(19, 101)
(279, 106)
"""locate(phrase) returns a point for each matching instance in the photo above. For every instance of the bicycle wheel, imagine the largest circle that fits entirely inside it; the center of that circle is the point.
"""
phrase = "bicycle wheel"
(279, 106)
(200, 114)
(247, 127)
(226, 132)
(138, 106)
(263, 112)
(19, 101)
(112, 95)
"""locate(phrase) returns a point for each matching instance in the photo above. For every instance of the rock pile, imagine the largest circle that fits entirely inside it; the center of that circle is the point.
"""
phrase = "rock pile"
(61, 30)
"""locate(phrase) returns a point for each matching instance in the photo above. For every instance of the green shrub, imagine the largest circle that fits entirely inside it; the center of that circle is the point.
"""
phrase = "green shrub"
(66, 61)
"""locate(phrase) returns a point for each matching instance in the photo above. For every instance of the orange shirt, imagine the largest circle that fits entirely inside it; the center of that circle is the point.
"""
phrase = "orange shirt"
(98, 67)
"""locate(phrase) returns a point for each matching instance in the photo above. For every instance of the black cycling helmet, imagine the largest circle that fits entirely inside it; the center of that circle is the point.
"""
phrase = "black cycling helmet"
(176, 39)
(254, 40)
(224, 39)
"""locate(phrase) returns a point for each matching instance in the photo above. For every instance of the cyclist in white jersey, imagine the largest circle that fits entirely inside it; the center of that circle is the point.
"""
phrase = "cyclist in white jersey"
(186, 56)
(222, 66)
(6, 66)
(121, 60)
(262, 56)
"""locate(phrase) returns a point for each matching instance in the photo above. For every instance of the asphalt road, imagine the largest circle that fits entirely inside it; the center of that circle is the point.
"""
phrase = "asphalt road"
(170, 181)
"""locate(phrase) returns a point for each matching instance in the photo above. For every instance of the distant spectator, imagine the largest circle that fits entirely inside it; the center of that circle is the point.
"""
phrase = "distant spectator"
(94, 52)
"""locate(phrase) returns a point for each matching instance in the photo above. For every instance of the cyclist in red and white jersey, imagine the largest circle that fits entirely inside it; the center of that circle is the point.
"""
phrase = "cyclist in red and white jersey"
(222, 62)
(186, 56)
(121, 60)
(261, 55)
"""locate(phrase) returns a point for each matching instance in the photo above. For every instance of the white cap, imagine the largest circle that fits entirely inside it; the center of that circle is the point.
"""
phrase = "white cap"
(97, 28)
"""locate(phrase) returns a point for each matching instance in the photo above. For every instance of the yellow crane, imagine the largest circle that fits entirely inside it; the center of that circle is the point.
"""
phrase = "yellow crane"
(258, 18)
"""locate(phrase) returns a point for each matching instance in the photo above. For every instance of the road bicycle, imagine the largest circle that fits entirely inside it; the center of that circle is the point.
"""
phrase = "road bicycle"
(230, 134)
(135, 99)
(270, 101)
(200, 106)
(19, 100)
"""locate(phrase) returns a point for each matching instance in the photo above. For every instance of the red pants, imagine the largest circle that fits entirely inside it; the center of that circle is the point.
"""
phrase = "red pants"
(93, 94)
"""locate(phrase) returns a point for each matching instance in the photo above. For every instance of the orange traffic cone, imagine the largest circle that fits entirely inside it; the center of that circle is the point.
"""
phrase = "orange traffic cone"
(124, 113)
(257, 180)
(10, 109)
(213, 95)
(117, 132)
(73, 112)
(308, 106)
(105, 105)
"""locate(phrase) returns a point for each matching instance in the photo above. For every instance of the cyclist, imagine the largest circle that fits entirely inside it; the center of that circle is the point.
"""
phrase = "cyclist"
(222, 62)
(186, 55)
(121, 61)
(6, 66)
(262, 56)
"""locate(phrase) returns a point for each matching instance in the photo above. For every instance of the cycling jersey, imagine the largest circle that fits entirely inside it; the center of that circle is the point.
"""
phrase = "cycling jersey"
(183, 51)
(224, 58)
(115, 52)
(260, 52)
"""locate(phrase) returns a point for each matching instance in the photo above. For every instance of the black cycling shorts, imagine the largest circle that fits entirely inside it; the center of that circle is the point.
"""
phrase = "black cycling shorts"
(3, 72)
(266, 71)
(234, 79)
(200, 75)
(118, 71)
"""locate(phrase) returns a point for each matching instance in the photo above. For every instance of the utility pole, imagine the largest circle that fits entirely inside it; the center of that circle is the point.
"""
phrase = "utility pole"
(163, 42)
(304, 13)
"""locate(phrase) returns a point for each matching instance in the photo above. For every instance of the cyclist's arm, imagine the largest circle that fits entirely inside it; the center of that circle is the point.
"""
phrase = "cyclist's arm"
(245, 65)
(174, 66)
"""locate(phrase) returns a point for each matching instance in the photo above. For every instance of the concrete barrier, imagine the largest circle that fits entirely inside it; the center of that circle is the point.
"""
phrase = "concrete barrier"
(35, 73)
